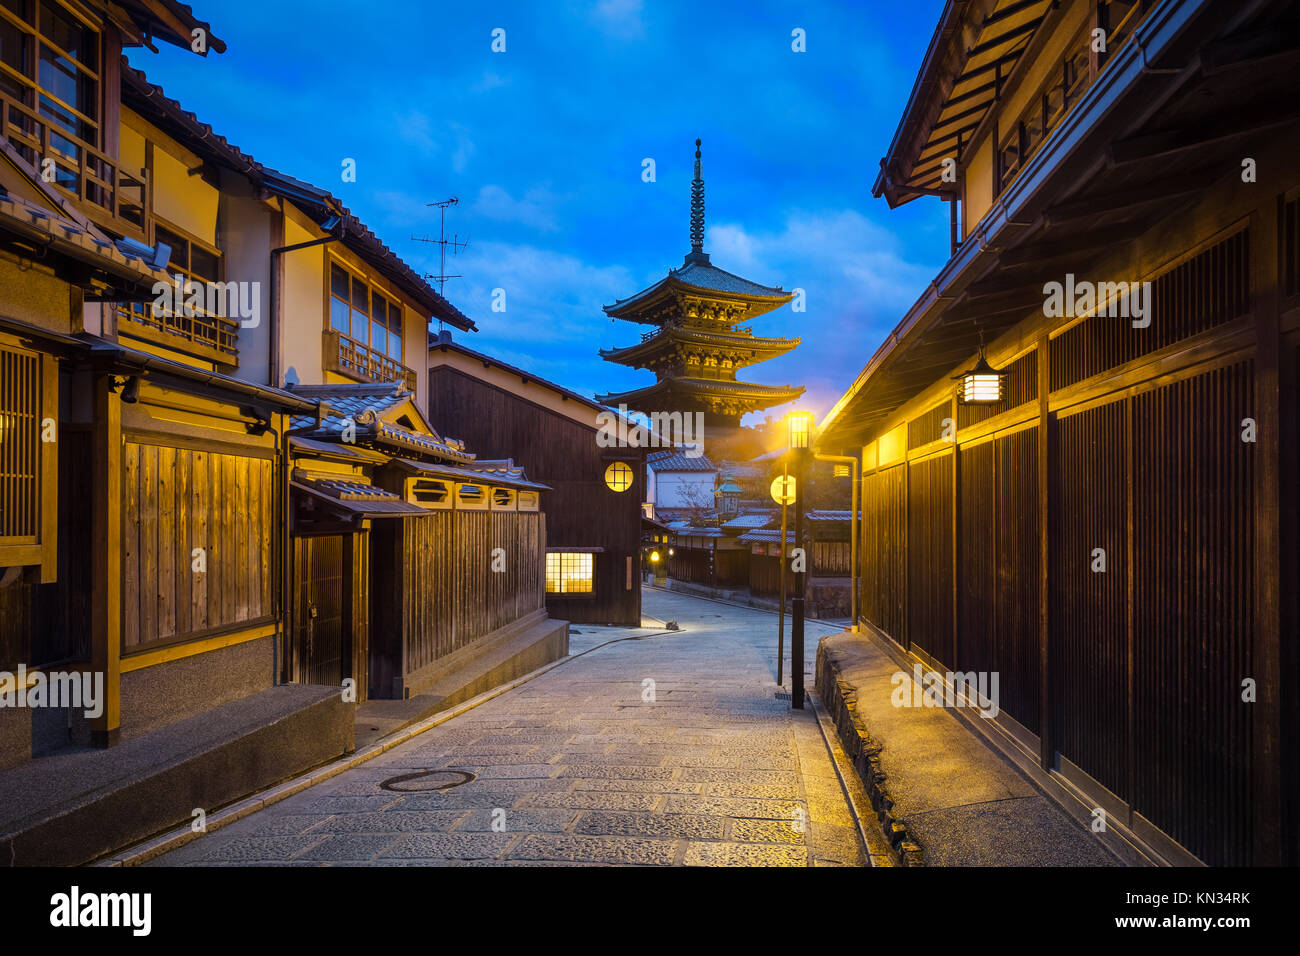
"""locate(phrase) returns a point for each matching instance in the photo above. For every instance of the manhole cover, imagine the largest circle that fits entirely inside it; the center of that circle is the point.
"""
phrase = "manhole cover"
(427, 780)
(781, 696)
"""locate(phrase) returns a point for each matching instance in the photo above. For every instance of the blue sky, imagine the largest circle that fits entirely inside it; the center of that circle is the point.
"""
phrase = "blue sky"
(544, 144)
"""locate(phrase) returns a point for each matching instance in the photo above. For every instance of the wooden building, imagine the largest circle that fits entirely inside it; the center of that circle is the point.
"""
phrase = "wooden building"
(142, 481)
(172, 516)
(1114, 532)
(597, 494)
(410, 554)
(375, 593)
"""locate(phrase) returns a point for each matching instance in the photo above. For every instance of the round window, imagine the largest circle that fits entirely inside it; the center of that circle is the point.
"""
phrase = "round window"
(619, 476)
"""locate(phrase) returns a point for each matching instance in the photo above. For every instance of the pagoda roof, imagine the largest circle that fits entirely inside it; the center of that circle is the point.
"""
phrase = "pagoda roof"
(758, 396)
(741, 341)
(699, 276)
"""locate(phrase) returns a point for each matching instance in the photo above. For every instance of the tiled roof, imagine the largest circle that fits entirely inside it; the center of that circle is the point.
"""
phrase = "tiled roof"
(673, 460)
(766, 536)
(829, 515)
(356, 497)
(361, 406)
(121, 259)
(705, 275)
(748, 521)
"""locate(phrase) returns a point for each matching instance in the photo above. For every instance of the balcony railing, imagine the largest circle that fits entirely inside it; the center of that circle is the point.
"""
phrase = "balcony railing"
(349, 357)
(114, 199)
(211, 337)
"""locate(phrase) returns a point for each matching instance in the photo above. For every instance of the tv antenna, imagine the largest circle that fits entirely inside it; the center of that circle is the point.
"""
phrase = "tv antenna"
(442, 242)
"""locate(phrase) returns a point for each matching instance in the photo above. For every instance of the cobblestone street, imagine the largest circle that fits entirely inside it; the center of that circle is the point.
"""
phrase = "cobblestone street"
(661, 748)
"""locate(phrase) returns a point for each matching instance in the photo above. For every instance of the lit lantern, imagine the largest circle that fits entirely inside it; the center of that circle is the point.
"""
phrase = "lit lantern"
(618, 476)
(654, 557)
(800, 425)
(982, 385)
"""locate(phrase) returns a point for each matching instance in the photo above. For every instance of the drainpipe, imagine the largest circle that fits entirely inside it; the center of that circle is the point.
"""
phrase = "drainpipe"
(856, 475)
(329, 225)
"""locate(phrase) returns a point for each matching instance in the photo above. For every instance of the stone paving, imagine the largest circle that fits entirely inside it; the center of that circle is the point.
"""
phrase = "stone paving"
(664, 748)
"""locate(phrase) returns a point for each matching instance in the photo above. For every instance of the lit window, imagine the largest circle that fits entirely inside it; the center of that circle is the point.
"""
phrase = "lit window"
(618, 476)
(568, 572)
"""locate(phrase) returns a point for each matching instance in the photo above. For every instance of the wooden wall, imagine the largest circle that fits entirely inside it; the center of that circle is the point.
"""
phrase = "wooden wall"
(581, 512)
(176, 500)
(1143, 466)
(434, 591)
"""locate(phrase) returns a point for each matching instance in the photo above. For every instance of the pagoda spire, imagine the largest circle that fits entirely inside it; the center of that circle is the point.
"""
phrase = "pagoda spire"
(697, 213)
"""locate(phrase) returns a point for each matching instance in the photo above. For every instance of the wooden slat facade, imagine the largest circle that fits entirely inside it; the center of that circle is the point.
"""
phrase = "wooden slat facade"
(177, 500)
(434, 591)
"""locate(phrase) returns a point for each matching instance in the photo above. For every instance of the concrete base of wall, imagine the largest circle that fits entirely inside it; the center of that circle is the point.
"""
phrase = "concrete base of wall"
(509, 652)
(80, 804)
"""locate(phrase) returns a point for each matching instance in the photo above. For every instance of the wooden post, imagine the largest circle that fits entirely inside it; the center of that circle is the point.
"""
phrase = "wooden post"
(49, 452)
(1046, 700)
(780, 626)
(106, 558)
(1266, 653)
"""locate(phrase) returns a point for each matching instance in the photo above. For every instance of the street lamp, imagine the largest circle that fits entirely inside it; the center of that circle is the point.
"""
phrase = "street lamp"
(800, 426)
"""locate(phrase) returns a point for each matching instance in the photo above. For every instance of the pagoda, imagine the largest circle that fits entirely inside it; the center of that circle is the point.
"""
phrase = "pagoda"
(698, 344)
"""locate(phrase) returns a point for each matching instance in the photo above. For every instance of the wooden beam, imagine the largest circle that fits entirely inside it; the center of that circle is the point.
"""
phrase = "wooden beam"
(1149, 146)
(106, 558)
(1163, 190)
(1076, 246)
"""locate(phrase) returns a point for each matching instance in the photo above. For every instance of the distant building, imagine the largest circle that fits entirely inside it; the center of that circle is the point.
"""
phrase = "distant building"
(698, 343)
(597, 495)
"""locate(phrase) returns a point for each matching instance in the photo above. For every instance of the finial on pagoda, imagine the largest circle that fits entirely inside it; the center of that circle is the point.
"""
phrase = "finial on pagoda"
(697, 212)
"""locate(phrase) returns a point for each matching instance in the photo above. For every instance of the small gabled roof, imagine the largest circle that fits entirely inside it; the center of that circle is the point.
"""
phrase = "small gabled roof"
(382, 412)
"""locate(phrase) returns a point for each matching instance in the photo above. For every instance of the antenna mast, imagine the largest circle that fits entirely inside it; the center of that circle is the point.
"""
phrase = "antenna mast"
(442, 242)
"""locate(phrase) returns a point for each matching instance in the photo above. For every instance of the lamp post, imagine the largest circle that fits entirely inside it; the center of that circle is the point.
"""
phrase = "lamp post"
(800, 440)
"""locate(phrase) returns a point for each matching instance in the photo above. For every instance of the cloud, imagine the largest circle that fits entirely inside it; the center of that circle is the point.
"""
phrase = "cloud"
(533, 210)
(621, 18)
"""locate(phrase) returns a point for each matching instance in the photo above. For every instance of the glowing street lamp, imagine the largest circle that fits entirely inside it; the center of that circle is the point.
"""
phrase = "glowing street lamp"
(800, 430)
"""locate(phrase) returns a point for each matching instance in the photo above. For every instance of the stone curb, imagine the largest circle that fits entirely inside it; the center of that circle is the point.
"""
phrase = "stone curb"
(840, 699)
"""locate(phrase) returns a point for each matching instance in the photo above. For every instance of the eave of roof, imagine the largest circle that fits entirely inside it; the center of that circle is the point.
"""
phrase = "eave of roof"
(668, 336)
(971, 37)
(702, 386)
(759, 298)
(1017, 210)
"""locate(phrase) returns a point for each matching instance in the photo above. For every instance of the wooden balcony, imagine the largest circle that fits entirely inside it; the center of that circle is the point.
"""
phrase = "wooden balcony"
(213, 338)
(347, 356)
(112, 198)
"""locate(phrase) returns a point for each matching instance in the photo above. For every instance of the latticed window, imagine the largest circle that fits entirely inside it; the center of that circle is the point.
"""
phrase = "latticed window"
(569, 572)
(20, 446)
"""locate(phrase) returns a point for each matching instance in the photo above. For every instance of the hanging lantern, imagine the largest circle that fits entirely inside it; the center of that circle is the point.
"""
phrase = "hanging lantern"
(982, 385)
